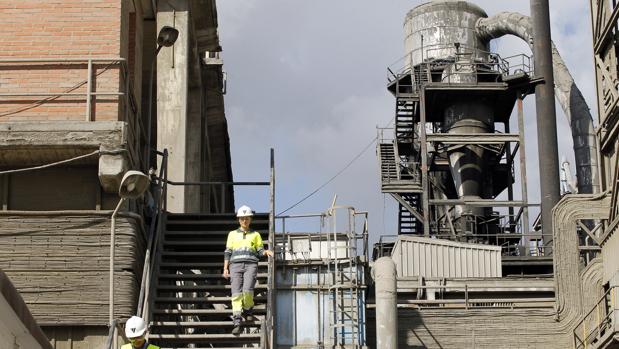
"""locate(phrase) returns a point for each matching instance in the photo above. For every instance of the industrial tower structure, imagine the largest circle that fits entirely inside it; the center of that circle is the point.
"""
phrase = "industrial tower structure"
(450, 164)
(453, 152)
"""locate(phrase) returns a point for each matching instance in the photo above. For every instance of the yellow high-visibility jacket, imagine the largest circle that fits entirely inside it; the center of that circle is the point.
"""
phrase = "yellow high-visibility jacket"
(129, 346)
(243, 246)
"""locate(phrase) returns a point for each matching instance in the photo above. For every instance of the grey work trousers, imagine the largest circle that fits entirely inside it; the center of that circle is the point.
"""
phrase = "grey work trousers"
(243, 280)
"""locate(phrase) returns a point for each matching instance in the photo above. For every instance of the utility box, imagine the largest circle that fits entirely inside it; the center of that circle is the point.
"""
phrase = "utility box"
(437, 258)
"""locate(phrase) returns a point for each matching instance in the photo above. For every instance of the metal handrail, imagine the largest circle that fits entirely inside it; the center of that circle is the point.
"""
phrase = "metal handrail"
(131, 112)
(144, 300)
(143, 309)
(607, 303)
(115, 328)
(484, 62)
(268, 333)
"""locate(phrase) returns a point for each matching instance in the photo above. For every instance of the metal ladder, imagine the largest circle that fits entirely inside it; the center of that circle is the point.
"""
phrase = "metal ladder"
(344, 290)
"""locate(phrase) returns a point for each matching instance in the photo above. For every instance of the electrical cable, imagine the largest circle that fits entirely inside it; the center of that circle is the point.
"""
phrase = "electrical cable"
(40, 102)
(102, 152)
(332, 178)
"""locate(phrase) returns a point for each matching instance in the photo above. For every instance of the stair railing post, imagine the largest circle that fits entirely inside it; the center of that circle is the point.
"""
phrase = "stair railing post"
(271, 267)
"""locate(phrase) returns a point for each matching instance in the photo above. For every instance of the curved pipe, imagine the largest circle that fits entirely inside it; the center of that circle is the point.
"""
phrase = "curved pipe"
(569, 96)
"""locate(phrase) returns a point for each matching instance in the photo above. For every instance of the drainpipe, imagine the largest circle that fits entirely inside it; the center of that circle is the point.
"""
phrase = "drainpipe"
(567, 93)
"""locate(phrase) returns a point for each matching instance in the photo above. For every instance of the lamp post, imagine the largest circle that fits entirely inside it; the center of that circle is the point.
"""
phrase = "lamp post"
(132, 186)
(167, 37)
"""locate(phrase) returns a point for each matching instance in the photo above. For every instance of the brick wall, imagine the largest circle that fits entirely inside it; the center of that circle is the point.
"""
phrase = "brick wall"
(59, 29)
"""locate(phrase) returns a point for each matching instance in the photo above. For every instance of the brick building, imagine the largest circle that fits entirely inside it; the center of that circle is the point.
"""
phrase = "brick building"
(74, 85)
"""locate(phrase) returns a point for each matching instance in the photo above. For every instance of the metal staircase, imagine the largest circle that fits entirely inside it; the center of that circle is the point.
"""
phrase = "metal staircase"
(191, 300)
(388, 164)
(408, 223)
(399, 157)
(406, 111)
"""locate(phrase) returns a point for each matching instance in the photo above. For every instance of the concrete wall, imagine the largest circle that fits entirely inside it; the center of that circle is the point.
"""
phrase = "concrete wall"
(18, 330)
(176, 115)
(77, 337)
(60, 264)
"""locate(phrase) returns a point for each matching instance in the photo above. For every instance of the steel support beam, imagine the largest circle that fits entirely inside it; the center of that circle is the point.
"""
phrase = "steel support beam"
(546, 114)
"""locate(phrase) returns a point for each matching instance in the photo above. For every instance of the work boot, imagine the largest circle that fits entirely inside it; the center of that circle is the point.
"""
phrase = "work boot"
(236, 323)
(248, 314)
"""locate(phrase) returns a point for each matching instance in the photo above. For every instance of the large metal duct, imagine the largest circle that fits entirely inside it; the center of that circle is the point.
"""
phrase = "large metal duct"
(432, 31)
(569, 96)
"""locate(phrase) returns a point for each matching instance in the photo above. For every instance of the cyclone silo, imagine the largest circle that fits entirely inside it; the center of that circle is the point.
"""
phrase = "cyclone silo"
(452, 141)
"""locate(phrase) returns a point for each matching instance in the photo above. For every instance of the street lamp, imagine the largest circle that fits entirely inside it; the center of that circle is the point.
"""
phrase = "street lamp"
(132, 186)
(167, 37)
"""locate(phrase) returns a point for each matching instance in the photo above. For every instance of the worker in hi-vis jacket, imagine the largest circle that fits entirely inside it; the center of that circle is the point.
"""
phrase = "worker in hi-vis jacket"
(135, 331)
(243, 251)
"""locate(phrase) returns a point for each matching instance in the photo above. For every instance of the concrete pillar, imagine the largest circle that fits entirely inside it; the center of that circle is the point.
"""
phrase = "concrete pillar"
(386, 304)
(174, 125)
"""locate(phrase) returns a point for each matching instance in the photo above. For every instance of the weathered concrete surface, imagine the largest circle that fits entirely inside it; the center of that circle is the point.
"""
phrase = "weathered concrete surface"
(17, 326)
(173, 126)
(59, 262)
(191, 122)
(24, 144)
(77, 337)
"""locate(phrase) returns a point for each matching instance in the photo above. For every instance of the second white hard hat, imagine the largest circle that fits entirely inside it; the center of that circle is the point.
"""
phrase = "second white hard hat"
(244, 211)
(135, 327)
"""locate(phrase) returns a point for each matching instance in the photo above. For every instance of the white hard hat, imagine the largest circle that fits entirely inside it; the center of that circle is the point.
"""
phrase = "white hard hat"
(135, 327)
(244, 211)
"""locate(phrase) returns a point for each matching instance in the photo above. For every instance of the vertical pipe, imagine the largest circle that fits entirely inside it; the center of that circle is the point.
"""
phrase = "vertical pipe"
(112, 255)
(546, 115)
(424, 164)
(89, 92)
(272, 332)
(386, 304)
(510, 187)
(523, 173)
(150, 110)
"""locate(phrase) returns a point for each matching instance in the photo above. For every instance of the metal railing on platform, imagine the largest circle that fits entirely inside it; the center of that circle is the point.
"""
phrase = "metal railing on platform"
(485, 61)
(130, 114)
(598, 322)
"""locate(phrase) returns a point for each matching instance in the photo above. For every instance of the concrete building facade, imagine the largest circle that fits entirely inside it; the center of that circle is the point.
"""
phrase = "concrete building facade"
(74, 117)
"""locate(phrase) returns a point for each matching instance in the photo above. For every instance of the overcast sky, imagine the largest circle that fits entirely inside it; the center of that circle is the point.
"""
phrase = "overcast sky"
(308, 79)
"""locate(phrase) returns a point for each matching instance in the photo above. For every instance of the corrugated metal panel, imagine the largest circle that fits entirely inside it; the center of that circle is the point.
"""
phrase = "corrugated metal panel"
(416, 256)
